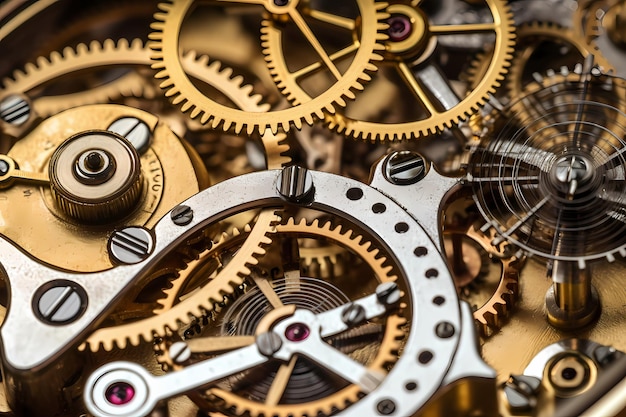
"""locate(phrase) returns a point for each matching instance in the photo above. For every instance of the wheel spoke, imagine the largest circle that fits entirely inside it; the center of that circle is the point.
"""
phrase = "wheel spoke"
(219, 343)
(332, 19)
(268, 291)
(462, 29)
(279, 384)
(419, 92)
(308, 34)
(317, 65)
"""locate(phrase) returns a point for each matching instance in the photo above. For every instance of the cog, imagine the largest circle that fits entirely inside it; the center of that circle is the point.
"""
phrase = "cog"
(552, 181)
(533, 35)
(182, 91)
(412, 55)
(198, 303)
(252, 303)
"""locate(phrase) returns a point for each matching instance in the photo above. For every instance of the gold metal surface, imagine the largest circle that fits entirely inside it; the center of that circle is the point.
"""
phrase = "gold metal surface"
(31, 218)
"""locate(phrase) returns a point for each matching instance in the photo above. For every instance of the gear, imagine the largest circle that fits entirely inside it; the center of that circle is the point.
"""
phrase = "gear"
(182, 91)
(560, 193)
(198, 303)
(321, 397)
(536, 35)
(411, 51)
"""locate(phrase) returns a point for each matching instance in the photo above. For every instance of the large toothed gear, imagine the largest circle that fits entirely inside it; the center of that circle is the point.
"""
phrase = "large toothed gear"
(382, 340)
(179, 87)
(411, 51)
(199, 303)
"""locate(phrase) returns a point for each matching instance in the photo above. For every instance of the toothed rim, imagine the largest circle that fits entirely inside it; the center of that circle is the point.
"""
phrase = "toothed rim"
(387, 353)
(229, 278)
(180, 89)
(469, 105)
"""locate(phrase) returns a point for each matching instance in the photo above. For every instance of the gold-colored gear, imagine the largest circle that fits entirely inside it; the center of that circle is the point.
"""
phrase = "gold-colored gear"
(178, 86)
(385, 354)
(133, 84)
(434, 119)
(529, 37)
(198, 303)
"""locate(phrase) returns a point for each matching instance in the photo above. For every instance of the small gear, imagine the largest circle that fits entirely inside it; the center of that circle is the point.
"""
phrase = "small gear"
(182, 91)
(535, 35)
(198, 303)
(321, 396)
(411, 52)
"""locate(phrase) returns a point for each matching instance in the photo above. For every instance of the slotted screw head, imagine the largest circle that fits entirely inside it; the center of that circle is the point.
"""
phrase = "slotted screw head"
(130, 245)
(134, 130)
(295, 184)
(182, 215)
(61, 302)
(404, 168)
(388, 293)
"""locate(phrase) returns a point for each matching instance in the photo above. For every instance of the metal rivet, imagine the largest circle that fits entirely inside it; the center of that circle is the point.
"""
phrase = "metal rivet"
(182, 215)
(268, 343)
(179, 352)
(62, 303)
(388, 293)
(404, 168)
(353, 314)
(386, 407)
(14, 110)
(130, 245)
(134, 130)
(445, 329)
(295, 184)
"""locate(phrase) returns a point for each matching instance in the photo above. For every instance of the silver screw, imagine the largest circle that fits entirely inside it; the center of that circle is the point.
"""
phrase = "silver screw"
(386, 407)
(268, 343)
(388, 293)
(180, 352)
(445, 329)
(404, 168)
(63, 303)
(182, 215)
(520, 391)
(130, 245)
(353, 314)
(295, 184)
(134, 130)
(14, 110)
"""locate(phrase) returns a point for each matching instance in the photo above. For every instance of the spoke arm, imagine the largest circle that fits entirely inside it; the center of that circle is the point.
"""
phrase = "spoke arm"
(332, 19)
(279, 384)
(309, 69)
(462, 29)
(268, 291)
(218, 344)
(308, 34)
(416, 88)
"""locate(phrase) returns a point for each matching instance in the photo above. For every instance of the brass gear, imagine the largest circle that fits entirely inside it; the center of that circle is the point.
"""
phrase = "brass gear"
(198, 303)
(165, 45)
(530, 35)
(385, 355)
(434, 120)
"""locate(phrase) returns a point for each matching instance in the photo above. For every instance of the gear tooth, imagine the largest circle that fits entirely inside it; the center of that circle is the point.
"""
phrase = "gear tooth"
(186, 106)
(176, 97)
(204, 119)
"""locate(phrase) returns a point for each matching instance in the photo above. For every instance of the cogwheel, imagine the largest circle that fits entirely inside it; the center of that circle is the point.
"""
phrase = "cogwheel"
(134, 53)
(198, 303)
(378, 358)
(179, 87)
(69, 61)
(410, 52)
(531, 35)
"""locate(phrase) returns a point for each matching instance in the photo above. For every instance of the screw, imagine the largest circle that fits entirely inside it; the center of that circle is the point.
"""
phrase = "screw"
(404, 168)
(386, 407)
(62, 303)
(445, 329)
(521, 390)
(15, 110)
(182, 215)
(180, 352)
(295, 183)
(130, 245)
(353, 314)
(604, 354)
(388, 293)
(268, 343)
(134, 130)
